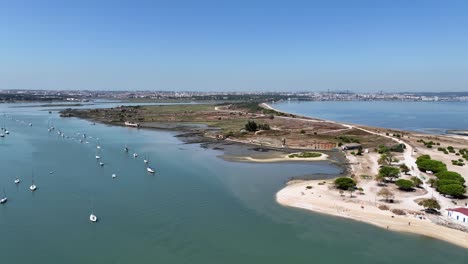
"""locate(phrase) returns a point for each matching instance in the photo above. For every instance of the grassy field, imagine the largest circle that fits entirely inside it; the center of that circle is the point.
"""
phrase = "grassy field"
(230, 119)
(176, 108)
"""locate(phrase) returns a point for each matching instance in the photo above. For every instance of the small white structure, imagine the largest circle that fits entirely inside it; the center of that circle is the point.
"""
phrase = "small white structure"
(459, 214)
(131, 124)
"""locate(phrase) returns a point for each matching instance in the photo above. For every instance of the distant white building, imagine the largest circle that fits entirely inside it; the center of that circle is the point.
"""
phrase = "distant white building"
(459, 214)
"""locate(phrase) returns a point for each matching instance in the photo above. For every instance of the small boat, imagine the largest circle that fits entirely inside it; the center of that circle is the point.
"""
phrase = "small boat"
(7, 132)
(98, 147)
(2, 135)
(17, 180)
(33, 187)
(30, 124)
(150, 170)
(135, 155)
(126, 148)
(131, 124)
(114, 175)
(146, 159)
(98, 157)
(93, 218)
(101, 163)
(4, 199)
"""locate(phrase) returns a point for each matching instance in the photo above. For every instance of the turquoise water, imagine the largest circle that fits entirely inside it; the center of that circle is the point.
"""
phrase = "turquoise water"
(198, 208)
(431, 117)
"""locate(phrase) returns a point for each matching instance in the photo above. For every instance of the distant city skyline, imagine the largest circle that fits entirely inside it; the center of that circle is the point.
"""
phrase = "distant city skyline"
(361, 46)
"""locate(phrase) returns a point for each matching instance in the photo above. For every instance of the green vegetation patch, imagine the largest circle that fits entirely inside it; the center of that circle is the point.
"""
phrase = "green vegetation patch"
(344, 183)
(455, 190)
(428, 144)
(425, 163)
(405, 185)
(305, 155)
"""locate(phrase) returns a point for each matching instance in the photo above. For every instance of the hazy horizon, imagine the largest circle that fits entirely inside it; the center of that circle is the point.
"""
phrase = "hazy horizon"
(361, 46)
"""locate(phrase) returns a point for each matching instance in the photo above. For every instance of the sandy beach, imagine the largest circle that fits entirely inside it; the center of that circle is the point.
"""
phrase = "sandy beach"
(284, 158)
(325, 198)
(320, 199)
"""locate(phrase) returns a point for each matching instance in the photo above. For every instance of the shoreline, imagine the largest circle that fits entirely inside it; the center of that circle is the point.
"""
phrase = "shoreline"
(317, 201)
(291, 196)
(447, 134)
(322, 200)
(285, 158)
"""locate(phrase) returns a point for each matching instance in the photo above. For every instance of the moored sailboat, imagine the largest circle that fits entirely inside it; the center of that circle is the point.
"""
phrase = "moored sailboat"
(150, 170)
(92, 217)
(33, 187)
(4, 198)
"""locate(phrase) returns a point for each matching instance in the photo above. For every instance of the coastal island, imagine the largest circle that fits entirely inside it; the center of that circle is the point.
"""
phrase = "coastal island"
(397, 180)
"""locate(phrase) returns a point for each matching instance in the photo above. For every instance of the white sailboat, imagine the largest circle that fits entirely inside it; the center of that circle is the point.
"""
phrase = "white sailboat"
(97, 155)
(135, 155)
(146, 159)
(126, 148)
(17, 180)
(4, 199)
(150, 170)
(114, 175)
(33, 187)
(101, 163)
(92, 216)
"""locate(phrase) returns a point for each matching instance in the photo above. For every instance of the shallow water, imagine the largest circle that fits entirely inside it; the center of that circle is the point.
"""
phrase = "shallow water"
(197, 208)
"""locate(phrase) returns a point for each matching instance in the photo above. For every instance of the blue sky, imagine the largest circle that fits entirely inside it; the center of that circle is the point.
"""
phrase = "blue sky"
(234, 45)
